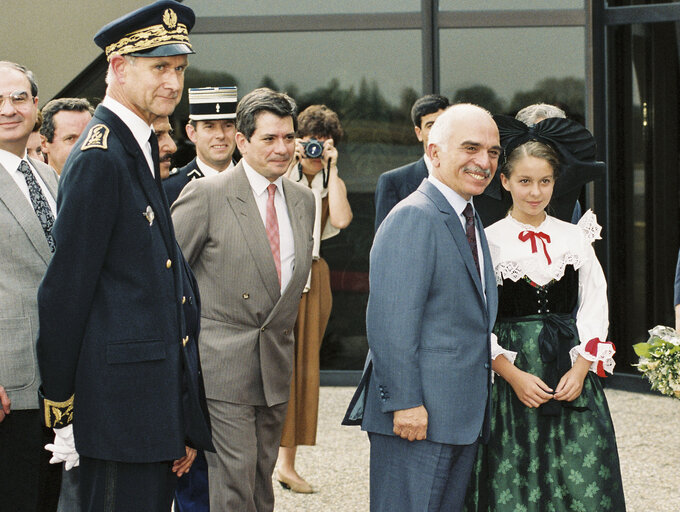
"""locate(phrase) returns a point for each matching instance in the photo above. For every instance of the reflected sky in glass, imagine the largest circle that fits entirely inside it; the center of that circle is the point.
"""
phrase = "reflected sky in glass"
(299, 7)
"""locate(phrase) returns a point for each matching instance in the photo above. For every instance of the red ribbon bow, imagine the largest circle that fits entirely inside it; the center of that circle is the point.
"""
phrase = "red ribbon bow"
(532, 235)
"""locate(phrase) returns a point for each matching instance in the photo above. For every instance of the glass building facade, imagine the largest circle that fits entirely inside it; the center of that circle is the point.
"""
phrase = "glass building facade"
(612, 66)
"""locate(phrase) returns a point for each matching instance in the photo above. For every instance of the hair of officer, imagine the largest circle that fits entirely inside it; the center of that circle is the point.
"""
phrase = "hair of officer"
(534, 149)
(320, 121)
(109, 71)
(53, 107)
(441, 129)
(25, 71)
(428, 104)
(537, 112)
(263, 100)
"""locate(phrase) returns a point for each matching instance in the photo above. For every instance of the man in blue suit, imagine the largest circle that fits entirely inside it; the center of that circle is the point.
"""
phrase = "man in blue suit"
(395, 185)
(430, 313)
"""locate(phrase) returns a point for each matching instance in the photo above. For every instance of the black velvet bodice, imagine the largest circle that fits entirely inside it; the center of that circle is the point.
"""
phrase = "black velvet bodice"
(522, 298)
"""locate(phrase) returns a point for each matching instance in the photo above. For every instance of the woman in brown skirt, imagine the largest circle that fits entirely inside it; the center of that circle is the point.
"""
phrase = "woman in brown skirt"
(315, 165)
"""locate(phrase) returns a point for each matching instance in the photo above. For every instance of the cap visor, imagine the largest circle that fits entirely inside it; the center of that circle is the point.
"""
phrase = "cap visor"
(166, 50)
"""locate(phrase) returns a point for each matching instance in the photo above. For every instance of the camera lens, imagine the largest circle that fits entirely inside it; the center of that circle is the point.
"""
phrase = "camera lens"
(313, 149)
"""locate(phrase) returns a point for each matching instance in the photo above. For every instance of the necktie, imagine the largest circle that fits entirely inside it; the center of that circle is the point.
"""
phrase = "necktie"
(470, 233)
(153, 141)
(272, 226)
(39, 202)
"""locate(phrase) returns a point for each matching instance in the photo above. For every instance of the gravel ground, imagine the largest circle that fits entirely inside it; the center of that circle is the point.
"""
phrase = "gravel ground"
(647, 430)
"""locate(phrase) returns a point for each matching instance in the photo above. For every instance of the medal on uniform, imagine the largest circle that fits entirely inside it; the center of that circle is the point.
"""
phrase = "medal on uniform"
(149, 215)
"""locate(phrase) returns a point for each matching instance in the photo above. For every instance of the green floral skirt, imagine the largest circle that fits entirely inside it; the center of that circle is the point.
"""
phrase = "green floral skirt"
(545, 463)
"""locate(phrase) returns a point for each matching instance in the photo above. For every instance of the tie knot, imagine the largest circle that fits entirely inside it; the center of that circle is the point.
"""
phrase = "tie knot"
(24, 168)
(468, 211)
(271, 189)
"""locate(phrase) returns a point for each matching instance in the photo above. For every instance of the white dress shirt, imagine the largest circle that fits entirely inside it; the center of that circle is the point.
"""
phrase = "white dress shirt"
(209, 171)
(11, 163)
(140, 130)
(259, 185)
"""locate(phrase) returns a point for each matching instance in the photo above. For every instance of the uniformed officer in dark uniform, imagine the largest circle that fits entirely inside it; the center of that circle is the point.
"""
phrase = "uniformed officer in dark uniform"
(116, 350)
(212, 128)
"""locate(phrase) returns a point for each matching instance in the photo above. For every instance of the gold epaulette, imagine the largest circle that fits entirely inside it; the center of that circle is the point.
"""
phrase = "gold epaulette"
(97, 137)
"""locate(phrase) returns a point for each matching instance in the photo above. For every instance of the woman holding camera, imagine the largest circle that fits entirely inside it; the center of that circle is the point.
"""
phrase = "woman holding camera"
(314, 165)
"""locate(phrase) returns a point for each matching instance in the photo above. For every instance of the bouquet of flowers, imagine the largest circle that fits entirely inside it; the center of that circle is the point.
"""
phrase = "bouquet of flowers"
(660, 360)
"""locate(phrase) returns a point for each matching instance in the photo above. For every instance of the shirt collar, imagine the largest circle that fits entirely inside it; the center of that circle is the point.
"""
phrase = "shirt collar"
(457, 202)
(10, 161)
(140, 130)
(258, 182)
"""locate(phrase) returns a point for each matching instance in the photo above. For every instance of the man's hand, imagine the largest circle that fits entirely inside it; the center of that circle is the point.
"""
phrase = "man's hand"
(571, 384)
(530, 390)
(64, 448)
(411, 423)
(5, 404)
(181, 466)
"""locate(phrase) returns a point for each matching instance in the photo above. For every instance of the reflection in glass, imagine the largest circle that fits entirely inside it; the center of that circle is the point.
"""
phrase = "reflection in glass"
(299, 7)
(371, 79)
(494, 5)
(507, 69)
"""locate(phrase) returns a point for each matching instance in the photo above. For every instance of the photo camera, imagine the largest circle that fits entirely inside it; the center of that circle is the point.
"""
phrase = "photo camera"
(313, 148)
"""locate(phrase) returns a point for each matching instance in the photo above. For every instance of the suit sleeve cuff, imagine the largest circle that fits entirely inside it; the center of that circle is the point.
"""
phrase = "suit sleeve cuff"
(55, 414)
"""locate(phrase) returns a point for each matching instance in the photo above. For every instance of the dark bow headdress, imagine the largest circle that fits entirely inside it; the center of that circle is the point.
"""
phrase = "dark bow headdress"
(575, 146)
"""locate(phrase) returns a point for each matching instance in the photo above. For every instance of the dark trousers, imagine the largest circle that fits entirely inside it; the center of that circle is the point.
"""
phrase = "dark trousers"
(28, 482)
(418, 475)
(108, 486)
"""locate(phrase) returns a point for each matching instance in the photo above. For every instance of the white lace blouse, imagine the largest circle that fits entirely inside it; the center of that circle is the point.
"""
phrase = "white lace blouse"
(543, 258)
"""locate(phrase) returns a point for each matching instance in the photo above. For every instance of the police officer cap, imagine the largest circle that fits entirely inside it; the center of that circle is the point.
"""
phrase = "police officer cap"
(160, 29)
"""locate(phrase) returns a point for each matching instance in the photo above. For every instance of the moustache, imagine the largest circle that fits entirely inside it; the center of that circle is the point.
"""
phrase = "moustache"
(165, 158)
(474, 168)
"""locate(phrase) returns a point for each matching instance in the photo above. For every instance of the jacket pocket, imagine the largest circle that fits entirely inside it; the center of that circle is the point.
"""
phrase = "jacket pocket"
(17, 353)
(135, 351)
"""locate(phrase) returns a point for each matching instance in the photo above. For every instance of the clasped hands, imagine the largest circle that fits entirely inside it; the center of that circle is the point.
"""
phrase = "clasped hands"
(533, 392)
(64, 450)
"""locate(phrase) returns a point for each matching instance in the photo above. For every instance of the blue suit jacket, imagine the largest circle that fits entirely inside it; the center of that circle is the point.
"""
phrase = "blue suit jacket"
(676, 288)
(111, 319)
(395, 185)
(428, 322)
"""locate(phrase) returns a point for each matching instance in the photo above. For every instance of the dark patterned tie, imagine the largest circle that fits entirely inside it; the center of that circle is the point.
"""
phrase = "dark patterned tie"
(40, 204)
(470, 233)
(153, 141)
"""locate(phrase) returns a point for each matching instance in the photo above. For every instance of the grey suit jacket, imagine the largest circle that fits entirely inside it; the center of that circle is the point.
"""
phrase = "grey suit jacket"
(24, 255)
(429, 321)
(246, 341)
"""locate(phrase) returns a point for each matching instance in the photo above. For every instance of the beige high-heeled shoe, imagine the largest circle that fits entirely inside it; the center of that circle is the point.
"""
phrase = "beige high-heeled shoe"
(299, 487)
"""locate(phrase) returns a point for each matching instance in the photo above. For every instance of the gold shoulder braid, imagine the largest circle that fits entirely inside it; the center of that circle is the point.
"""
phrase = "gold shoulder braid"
(97, 137)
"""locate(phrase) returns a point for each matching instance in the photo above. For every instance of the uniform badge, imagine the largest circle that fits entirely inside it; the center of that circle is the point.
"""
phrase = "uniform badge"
(169, 19)
(97, 137)
(194, 174)
(149, 214)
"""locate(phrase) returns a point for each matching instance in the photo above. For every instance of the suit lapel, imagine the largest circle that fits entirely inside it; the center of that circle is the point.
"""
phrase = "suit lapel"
(23, 212)
(48, 178)
(150, 186)
(456, 228)
(248, 216)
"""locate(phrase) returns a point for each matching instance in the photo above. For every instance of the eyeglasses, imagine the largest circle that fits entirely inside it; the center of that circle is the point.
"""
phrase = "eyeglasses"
(18, 99)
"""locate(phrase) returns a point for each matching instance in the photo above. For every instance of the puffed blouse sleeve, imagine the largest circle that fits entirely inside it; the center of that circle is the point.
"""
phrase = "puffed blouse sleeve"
(592, 317)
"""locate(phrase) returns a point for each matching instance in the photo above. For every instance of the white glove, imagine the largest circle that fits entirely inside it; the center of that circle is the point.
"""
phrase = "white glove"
(64, 448)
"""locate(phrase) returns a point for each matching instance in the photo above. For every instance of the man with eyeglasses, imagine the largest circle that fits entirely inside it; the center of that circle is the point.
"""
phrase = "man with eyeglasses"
(28, 191)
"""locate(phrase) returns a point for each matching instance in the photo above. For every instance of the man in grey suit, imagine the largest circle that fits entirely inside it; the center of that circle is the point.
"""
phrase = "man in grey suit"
(247, 234)
(430, 313)
(28, 191)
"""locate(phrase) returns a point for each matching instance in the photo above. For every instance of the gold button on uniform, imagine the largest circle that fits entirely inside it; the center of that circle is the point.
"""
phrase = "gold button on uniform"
(185, 340)
(168, 264)
(246, 296)
(184, 299)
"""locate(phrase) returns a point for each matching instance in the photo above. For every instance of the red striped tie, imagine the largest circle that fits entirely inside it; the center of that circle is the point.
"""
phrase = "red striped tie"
(272, 227)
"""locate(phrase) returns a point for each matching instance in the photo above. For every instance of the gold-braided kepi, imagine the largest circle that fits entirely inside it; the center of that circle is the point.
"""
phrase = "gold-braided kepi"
(160, 29)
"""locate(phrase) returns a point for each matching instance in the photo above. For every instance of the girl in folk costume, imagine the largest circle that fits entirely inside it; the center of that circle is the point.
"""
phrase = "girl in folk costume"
(552, 444)
(315, 165)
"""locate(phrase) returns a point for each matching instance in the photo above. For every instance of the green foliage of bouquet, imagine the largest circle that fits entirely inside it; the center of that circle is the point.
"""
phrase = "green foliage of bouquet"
(660, 360)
